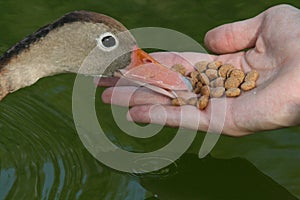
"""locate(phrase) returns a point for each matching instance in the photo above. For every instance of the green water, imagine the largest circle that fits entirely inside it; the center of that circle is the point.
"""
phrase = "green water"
(42, 157)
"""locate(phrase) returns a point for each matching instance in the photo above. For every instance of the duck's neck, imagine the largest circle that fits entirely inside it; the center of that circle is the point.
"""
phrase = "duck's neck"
(58, 52)
(25, 70)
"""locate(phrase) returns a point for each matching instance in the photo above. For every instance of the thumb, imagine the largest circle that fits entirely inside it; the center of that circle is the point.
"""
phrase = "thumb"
(235, 36)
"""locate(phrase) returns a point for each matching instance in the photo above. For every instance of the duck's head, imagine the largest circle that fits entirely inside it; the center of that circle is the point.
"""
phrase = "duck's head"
(80, 42)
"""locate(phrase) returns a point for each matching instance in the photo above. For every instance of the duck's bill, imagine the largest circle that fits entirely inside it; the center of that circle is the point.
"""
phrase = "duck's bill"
(146, 71)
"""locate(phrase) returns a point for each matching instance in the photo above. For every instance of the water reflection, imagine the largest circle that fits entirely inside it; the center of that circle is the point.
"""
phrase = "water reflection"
(41, 155)
(211, 178)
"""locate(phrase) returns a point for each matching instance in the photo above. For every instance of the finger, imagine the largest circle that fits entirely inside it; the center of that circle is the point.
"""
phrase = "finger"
(234, 36)
(114, 81)
(130, 96)
(183, 116)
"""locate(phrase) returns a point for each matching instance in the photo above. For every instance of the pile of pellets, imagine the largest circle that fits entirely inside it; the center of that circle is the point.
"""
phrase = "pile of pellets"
(214, 80)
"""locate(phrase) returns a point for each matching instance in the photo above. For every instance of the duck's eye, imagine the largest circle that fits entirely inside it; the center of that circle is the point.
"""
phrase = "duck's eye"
(107, 41)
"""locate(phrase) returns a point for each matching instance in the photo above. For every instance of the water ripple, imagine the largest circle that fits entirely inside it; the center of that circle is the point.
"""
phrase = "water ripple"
(41, 155)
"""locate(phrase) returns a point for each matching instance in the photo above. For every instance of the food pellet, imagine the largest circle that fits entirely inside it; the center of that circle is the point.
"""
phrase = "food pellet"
(211, 74)
(198, 87)
(201, 66)
(228, 73)
(215, 80)
(202, 102)
(232, 82)
(193, 81)
(251, 76)
(218, 82)
(217, 92)
(248, 85)
(204, 79)
(178, 101)
(224, 69)
(194, 74)
(238, 74)
(233, 92)
(205, 90)
(214, 65)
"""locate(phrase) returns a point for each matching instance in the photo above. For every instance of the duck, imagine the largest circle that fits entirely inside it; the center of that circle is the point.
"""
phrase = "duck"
(62, 47)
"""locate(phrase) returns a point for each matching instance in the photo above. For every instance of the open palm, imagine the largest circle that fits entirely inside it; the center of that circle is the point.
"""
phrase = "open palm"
(273, 42)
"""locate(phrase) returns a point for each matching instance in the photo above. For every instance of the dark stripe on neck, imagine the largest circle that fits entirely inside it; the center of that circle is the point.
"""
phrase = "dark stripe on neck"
(75, 16)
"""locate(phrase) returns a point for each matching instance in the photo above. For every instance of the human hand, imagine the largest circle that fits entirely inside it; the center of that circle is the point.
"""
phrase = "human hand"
(273, 39)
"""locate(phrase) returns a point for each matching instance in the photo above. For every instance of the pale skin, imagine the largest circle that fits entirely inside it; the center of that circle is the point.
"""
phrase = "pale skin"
(273, 42)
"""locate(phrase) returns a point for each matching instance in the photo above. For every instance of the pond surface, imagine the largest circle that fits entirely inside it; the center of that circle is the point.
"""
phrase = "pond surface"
(42, 157)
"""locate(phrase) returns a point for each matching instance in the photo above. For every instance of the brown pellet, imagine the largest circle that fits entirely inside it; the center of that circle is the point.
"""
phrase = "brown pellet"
(238, 74)
(228, 73)
(232, 82)
(194, 74)
(202, 102)
(205, 90)
(233, 92)
(218, 82)
(178, 101)
(198, 87)
(217, 92)
(211, 74)
(204, 79)
(248, 85)
(201, 66)
(224, 69)
(193, 81)
(252, 76)
(214, 65)
(214, 80)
